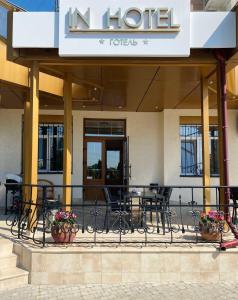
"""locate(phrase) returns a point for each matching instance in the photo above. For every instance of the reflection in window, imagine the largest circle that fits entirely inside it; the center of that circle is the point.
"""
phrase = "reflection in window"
(191, 150)
(50, 157)
(113, 164)
(104, 128)
(94, 160)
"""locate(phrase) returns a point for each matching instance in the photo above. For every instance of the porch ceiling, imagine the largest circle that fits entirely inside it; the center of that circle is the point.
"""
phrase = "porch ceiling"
(13, 97)
(136, 88)
(128, 88)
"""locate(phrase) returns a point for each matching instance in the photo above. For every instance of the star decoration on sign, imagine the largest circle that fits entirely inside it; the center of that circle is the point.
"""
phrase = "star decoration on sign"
(145, 42)
(101, 41)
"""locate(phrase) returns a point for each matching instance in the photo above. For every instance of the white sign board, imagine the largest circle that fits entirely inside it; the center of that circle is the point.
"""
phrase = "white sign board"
(122, 28)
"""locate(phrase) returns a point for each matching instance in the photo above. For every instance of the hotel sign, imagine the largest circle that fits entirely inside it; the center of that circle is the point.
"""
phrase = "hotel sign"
(119, 28)
(132, 19)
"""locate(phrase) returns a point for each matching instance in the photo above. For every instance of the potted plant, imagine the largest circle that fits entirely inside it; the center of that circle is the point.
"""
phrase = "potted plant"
(64, 227)
(211, 225)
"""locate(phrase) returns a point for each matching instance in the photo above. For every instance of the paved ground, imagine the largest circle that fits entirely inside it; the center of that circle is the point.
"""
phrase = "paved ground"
(145, 291)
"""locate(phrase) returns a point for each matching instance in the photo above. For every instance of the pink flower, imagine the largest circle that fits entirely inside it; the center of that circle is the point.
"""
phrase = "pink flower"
(74, 216)
(65, 216)
(212, 214)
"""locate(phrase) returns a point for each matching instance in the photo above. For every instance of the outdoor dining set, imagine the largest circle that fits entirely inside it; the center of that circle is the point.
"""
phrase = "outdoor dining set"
(128, 204)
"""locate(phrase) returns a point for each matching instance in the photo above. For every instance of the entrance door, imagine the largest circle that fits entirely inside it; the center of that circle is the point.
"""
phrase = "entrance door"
(94, 159)
(104, 156)
(103, 165)
(114, 164)
(126, 162)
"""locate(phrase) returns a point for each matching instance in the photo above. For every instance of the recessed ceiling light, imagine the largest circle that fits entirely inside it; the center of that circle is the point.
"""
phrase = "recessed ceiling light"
(211, 82)
(95, 88)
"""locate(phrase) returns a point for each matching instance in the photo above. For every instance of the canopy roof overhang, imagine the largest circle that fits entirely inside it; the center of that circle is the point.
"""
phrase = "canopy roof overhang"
(114, 84)
(129, 84)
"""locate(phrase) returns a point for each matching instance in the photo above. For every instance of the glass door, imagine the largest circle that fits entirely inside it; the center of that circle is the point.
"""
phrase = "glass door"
(94, 159)
(103, 155)
(114, 164)
(126, 163)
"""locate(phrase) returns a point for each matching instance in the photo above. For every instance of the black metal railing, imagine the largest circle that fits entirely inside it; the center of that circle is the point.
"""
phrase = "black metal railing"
(117, 214)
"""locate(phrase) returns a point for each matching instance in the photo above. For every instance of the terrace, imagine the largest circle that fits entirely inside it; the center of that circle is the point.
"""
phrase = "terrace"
(113, 245)
(140, 215)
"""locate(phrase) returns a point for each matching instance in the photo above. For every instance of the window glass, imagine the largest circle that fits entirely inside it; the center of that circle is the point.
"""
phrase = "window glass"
(188, 157)
(191, 150)
(50, 148)
(94, 160)
(113, 164)
(104, 128)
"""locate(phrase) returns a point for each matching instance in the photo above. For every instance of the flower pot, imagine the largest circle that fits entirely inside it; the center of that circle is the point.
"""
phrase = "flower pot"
(210, 232)
(64, 233)
(211, 236)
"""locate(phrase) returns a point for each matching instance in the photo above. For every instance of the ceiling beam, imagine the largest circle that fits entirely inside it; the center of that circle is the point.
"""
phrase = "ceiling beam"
(148, 88)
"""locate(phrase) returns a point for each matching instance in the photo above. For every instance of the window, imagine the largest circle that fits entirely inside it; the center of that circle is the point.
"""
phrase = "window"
(104, 128)
(191, 150)
(50, 157)
(94, 160)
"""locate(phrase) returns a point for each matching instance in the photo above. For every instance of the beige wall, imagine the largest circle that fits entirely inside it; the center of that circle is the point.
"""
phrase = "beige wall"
(10, 145)
(172, 147)
(116, 265)
(154, 147)
(146, 144)
(172, 157)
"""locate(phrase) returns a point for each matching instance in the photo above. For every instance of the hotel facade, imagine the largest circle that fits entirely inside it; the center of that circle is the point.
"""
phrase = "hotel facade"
(120, 94)
(140, 77)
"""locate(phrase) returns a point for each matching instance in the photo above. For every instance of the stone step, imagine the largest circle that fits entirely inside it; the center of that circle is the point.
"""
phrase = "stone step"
(9, 261)
(6, 247)
(13, 277)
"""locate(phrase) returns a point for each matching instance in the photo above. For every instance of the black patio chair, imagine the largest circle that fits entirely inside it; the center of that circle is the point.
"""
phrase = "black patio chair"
(118, 207)
(234, 198)
(154, 187)
(158, 205)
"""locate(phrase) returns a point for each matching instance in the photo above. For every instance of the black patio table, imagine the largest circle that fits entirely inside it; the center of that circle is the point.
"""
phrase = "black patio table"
(147, 201)
(144, 196)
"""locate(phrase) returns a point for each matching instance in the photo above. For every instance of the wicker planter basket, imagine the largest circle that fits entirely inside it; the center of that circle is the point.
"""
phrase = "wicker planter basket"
(64, 233)
(211, 236)
(209, 233)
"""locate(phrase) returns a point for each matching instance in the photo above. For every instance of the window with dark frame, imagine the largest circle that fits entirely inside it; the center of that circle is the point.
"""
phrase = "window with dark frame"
(51, 145)
(104, 128)
(191, 150)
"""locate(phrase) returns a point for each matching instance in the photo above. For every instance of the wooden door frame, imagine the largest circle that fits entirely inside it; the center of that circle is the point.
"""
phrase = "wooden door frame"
(103, 140)
(105, 119)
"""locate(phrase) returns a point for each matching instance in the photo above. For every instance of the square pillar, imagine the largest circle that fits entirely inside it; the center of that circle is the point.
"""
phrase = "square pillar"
(223, 133)
(205, 143)
(67, 164)
(33, 136)
(26, 147)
